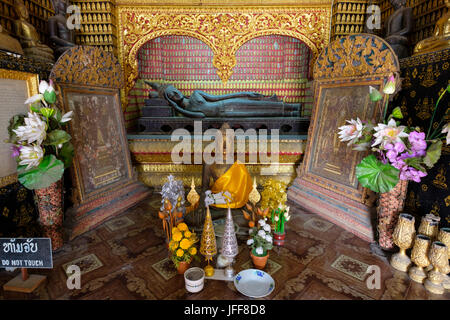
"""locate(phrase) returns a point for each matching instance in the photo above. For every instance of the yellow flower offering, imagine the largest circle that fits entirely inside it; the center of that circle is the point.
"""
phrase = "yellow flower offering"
(187, 234)
(185, 244)
(175, 230)
(180, 253)
(177, 236)
(173, 245)
(182, 226)
(193, 251)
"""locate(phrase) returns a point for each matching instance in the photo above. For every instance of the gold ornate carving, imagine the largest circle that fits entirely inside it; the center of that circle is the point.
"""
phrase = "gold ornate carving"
(352, 56)
(4, 181)
(223, 29)
(88, 66)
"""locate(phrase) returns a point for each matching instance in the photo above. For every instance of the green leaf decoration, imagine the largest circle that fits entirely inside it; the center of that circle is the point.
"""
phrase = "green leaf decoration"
(50, 96)
(57, 137)
(415, 163)
(66, 154)
(47, 172)
(448, 88)
(36, 107)
(397, 113)
(14, 123)
(433, 153)
(374, 94)
(47, 112)
(375, 175)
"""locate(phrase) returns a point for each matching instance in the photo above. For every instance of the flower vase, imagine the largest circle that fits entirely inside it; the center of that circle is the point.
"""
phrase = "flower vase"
(49, 202)
(183, 266)
(279, 238)
(390, 204)
(259, 262)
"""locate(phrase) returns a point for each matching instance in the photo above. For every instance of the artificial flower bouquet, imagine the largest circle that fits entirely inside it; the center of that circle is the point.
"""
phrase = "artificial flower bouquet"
(182, 244)
(279, 218)
(400, 152)
(40, 145)
(261, 240)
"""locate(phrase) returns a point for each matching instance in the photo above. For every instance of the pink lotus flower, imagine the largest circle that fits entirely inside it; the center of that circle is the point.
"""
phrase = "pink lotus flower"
(351, 132)
(389, 133)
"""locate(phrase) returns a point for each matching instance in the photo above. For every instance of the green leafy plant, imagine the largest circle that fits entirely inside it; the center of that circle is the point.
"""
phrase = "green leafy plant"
(261, 240)
(40, 146)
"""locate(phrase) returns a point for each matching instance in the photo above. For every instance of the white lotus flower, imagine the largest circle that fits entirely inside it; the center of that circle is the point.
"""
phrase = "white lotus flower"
(361, 146)
(33, 130)
(389, 133)
(266, 228)
(35, 98)
(259, 250)
(268, 238)
(262, 223)
(446, 129)
(31, 156)
(44, 86)
(67, 117)
(250, 242)
(261, 233)
(351, 132)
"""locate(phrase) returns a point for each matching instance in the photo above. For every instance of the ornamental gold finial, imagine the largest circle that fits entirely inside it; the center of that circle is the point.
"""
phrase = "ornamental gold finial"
(193, 197)
(254, 195)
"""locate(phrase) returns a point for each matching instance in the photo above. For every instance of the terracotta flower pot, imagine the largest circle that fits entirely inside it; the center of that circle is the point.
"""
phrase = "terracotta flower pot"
(259, 262)
(278, 238)
(183, 266)
(49, 202)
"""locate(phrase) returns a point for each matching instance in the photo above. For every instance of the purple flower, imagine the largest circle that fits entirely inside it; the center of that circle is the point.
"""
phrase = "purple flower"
(418, 143)
(410, 173)
(15, 151)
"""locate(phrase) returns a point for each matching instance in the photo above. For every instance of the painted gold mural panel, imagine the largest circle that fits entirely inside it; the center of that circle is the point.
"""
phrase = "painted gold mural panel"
(336, 105)
(101, 153)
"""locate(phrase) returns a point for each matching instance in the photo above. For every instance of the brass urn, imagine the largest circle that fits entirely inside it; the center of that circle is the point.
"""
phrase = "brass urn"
(429, 226)
(403, 237)
(419, 255)
(439, 259)
(444, 237)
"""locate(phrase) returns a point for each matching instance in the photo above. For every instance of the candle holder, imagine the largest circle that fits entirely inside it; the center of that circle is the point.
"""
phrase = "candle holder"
(439, 259)
(444, 237)
(429, 226)
(403, 237)
(419, 255)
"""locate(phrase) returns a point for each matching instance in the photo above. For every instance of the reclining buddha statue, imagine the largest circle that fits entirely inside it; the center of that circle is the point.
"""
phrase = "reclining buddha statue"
(234, 105)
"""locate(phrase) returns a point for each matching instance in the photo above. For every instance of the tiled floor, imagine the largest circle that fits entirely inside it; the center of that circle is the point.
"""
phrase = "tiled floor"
(126, 258)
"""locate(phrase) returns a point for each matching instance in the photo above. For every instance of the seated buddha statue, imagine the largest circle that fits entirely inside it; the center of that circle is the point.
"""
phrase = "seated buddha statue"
(441, 35)
(60, 36)
(233, 179)
(28, 36)
(398, 26)
(8, 43)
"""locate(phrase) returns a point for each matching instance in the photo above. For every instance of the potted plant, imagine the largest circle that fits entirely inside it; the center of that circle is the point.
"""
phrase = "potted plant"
(43, 151)
(398, 154)
(260, 243)
(279, 218)
(182, 247)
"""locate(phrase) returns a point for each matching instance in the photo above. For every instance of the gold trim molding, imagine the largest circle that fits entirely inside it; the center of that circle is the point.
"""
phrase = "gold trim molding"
(223, 29)
(32, 81)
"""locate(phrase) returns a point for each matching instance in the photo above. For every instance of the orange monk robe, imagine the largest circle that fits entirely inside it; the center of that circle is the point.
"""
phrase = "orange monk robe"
(237, 182)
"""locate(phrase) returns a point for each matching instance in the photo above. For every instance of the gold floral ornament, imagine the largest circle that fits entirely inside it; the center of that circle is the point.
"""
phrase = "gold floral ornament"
(224, 30)
(273, 195)
(254, 195)
(193, 197)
